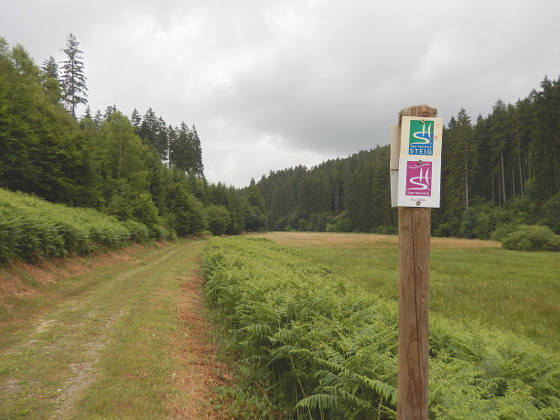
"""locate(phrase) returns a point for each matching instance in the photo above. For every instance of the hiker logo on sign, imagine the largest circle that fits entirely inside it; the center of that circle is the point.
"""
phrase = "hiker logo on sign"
(421, 139)
(418, 178)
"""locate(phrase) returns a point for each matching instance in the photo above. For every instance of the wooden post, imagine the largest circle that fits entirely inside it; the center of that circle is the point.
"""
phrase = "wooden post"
(414, 273)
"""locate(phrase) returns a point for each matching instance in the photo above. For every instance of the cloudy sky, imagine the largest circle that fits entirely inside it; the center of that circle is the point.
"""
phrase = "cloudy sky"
(272, 84)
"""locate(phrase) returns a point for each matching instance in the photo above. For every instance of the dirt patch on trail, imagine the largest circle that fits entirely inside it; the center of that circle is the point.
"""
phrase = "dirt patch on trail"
(198, 369)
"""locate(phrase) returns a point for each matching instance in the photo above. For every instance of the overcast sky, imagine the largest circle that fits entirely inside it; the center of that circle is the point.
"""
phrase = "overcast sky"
(274, 84)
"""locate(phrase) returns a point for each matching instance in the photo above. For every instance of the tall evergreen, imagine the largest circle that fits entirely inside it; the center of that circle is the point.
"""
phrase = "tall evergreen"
(545, 144)
(73, 76)
(50, 68)
(136, 120)
(460, 160)
(149, 128)
(161, 141)
(198, 167)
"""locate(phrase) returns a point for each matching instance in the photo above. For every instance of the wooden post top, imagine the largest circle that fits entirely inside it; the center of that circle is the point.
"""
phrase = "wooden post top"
(418, 111)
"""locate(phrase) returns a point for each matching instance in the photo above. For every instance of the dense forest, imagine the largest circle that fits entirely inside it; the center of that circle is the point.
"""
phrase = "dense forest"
(500, 173)
(138, 168)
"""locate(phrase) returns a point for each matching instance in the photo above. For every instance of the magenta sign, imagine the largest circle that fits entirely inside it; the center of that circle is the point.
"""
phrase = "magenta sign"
(419, 178)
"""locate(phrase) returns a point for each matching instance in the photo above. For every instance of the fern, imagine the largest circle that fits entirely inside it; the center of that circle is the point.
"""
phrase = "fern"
(320, 402)
(327, 351)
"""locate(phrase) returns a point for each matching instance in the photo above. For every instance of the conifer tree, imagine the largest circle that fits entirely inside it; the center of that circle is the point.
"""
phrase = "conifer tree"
(50, 80)
(73, 77)
(50, 68)
(98, 118)
(136, 120)
(197, 153)
(161, 141)
(545, 146)
(148, 128)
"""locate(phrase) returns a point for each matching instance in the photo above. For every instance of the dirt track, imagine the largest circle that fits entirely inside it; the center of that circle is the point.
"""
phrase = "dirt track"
(52, 361)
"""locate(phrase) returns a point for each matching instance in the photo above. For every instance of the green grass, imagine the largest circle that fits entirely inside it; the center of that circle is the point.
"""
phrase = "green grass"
(102, 349)
(517, 291)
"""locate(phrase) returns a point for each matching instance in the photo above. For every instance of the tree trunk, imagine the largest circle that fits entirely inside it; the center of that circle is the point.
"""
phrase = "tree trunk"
(513, 182)
(521, 182)
(466, 196)
(503, 177)
(493, 194)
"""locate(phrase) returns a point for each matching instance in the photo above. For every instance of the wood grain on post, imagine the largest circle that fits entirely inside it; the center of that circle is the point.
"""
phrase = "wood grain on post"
(414, 274)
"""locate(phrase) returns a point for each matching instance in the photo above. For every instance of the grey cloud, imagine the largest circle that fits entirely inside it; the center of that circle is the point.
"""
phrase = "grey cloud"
(274, 84)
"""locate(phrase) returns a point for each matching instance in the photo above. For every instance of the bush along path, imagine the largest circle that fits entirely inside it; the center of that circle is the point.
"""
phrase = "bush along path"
(127, 340)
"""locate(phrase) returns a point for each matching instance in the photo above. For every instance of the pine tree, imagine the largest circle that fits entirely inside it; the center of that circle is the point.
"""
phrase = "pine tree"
(136, 120)
(545, 146)
(198, 168)
(98, 118)
(459, 162)
(498, 126)
(73, 77)
(180, 155)
(161, 141)
(50, 80)
(50, 68)
(148, 128)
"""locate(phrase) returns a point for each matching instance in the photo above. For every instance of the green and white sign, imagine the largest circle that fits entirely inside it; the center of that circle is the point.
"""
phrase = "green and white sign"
(421, 137)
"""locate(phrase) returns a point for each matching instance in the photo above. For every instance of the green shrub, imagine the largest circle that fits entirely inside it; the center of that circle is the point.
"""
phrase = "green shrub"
(31, 228)
(503, 230)
(551, 214)
(532, 238)
(218, 219)
(138, 231)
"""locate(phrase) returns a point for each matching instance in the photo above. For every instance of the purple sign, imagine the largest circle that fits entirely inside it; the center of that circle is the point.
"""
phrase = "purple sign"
(418, 178)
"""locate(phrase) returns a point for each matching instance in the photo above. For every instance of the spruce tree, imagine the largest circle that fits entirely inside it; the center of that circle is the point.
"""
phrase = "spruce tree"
(136, 120)
(148, 128)
(198, 169)
(50, 68)
(50, 80)
(73, 77)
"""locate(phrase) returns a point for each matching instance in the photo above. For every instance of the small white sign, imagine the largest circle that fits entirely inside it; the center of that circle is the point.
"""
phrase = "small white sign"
(416, 162)
(420, 162)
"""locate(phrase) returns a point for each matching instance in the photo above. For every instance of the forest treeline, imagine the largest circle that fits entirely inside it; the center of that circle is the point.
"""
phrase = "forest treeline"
(137, 169)
(499, 173)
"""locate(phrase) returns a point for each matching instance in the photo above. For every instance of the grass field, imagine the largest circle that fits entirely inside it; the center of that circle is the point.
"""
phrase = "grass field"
(470, 280)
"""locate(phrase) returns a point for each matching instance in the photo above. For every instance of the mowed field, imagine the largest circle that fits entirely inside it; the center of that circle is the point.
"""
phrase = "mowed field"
(471, 281)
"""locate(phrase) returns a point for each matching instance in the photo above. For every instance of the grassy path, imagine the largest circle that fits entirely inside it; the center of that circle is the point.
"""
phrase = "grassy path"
(115, 346)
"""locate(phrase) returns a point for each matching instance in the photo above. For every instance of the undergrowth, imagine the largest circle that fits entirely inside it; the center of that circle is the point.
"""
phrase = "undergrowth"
(32, 228)
(325, 350)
